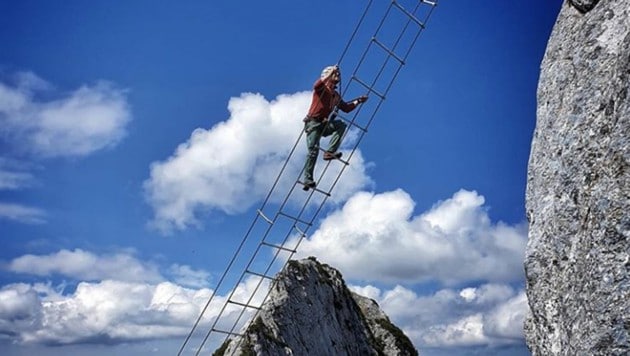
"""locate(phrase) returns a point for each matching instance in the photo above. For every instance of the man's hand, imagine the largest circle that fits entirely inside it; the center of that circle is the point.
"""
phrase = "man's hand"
(336, 75)
(362, 99)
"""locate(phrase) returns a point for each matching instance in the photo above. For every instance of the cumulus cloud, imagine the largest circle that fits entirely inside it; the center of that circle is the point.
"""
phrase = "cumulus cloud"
(95, 313)
(112, 311)
(19, 309)
(488, 315)
(75, 124)
(22, 213)
(118, 299)
(186, 276)
(234, 164)
(506, 320)
(119, 306)
(83, 265)
(376, 237)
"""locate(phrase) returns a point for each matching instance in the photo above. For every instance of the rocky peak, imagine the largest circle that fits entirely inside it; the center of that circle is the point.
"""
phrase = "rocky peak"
(310, 311)
(578, 190)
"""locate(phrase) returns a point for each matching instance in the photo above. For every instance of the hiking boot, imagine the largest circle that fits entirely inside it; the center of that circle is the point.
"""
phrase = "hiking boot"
(331, 155)
(309, 183)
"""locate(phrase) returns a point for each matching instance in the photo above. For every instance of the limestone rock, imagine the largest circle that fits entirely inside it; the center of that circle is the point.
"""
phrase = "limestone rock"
(578, 190)
(310, 311)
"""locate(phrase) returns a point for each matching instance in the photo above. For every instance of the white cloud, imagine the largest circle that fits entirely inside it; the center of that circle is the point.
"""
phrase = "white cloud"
(21, 213)
(89, 119)
(127, 300)
(375, 237)
(83, 265)
(467, 331)
(96, 312)
(14, 174)
(468, 293)
(15, 180)
(123, 308)
(490, 315)
(19, 309)
(189, 277)
(37, 121)
(234, 164)
(113, 311)
(506, 320)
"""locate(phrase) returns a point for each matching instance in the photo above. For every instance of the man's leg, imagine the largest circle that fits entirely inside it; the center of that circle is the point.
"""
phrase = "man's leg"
(336, 128)
(313, 135)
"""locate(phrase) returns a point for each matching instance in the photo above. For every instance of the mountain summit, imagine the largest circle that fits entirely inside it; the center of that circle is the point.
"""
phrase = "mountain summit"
(311, 311)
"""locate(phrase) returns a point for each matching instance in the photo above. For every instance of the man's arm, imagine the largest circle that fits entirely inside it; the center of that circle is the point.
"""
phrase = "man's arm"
(347, 107)
(321, 83)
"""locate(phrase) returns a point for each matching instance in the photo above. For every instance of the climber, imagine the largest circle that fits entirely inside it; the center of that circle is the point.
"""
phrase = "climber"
(320, 120)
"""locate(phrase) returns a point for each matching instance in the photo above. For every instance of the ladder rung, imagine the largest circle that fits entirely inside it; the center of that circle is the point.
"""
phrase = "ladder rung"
(264, 217)
(278, 247)
(336, 159)
(259, 275)
(226, 332)
(368, 87)
(389, 51)
(341, 160)
(358, 126)
(302, 233)
(315, 189)
(321, 191)
(294, 218)
(409, 14)
(352, 123)
(244, 305)
(419, 15)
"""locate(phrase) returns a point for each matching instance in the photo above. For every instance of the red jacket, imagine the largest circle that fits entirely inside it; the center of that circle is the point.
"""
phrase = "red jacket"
(325, 97)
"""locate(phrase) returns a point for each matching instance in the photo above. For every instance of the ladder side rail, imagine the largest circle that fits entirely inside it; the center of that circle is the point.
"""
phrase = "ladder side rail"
(363, 131)
(239, 280)
(217, 287)
(392, 50)
(354, 33)
(337, 178)
(237, 252)
(290, 253)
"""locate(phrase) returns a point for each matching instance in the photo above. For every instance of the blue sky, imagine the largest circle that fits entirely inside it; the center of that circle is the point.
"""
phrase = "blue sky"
(133, 136)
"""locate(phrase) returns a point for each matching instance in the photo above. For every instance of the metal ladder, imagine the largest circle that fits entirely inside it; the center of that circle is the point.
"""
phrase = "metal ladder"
(376, 56)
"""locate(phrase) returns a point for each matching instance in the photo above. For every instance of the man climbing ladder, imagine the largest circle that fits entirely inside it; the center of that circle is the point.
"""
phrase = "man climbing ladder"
(319, 121)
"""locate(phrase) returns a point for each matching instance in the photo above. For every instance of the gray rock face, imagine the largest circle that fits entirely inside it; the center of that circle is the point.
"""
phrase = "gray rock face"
(578, 190)
(310, 311)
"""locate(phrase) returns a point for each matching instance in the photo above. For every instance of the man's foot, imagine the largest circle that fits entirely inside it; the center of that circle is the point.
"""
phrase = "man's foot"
(308, 184)
(331, 155)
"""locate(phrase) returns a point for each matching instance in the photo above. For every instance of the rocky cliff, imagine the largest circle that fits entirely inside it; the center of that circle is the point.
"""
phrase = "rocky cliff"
(310, 311)
(578, 193)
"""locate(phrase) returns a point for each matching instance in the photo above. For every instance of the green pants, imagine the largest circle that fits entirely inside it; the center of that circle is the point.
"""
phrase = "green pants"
(314, 132)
